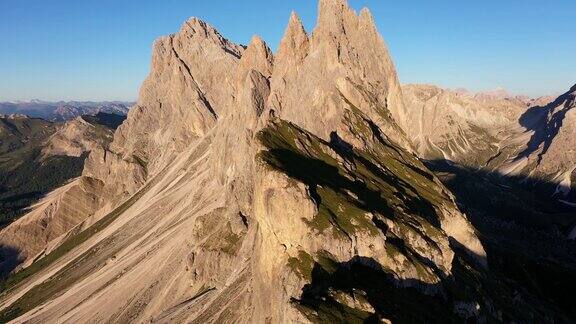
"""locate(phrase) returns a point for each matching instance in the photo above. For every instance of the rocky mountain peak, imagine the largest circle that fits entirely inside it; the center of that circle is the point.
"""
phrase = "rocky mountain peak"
(344, 58)
(257, 56)
(196, 28)
(295, 43)
(295, 26)
(331, 13)
(366, 16)
(337, 18)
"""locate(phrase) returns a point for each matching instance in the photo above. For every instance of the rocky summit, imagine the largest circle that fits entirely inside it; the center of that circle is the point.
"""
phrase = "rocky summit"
(248, 186)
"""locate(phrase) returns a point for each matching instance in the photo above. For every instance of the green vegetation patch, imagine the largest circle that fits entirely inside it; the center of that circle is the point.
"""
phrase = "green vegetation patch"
(350, 186)
(356, 189)
(302, 265)
(109, 121)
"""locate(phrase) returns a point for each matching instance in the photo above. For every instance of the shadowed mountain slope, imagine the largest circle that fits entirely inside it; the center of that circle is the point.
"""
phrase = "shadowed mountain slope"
(523, 231)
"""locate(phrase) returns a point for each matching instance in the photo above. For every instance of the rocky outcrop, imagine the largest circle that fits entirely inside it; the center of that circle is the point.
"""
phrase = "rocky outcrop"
(513, 136)
(77, 137)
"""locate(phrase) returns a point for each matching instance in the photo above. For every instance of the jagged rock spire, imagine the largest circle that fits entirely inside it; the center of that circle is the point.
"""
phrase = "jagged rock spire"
(344, 56)
(295, 43)
(367, 21)
(253, 88)
(330, 12)
(257, 56)
(195, 28)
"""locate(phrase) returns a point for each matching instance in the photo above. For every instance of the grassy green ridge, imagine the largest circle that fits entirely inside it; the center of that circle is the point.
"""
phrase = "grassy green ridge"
(21, 133)
(109, 121)
(354, 191)
(349, 194)
(364, 280)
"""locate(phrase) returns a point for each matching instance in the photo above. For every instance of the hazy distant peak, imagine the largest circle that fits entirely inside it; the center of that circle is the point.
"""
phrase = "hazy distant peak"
(63, 110)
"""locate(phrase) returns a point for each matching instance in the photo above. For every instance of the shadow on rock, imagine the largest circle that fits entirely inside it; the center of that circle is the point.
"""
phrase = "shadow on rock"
(363, 291)
(523, 230)
(546, 122)
(9, 260)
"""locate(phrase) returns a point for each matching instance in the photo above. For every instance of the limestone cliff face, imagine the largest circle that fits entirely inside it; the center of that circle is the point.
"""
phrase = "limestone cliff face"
(190, 83)
(247, 187)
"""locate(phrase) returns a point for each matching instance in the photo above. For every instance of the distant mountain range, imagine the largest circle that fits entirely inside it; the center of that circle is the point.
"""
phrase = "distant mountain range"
(63, 110)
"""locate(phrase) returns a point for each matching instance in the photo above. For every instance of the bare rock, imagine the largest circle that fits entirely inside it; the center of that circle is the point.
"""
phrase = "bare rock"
(77, 137)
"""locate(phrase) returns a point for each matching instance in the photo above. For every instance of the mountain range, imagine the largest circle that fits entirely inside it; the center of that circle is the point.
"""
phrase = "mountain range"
(62, 110)
(306, 185)
(513, 136)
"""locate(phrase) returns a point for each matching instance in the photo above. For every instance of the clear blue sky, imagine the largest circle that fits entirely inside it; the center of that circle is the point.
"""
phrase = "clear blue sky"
(100, 49)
